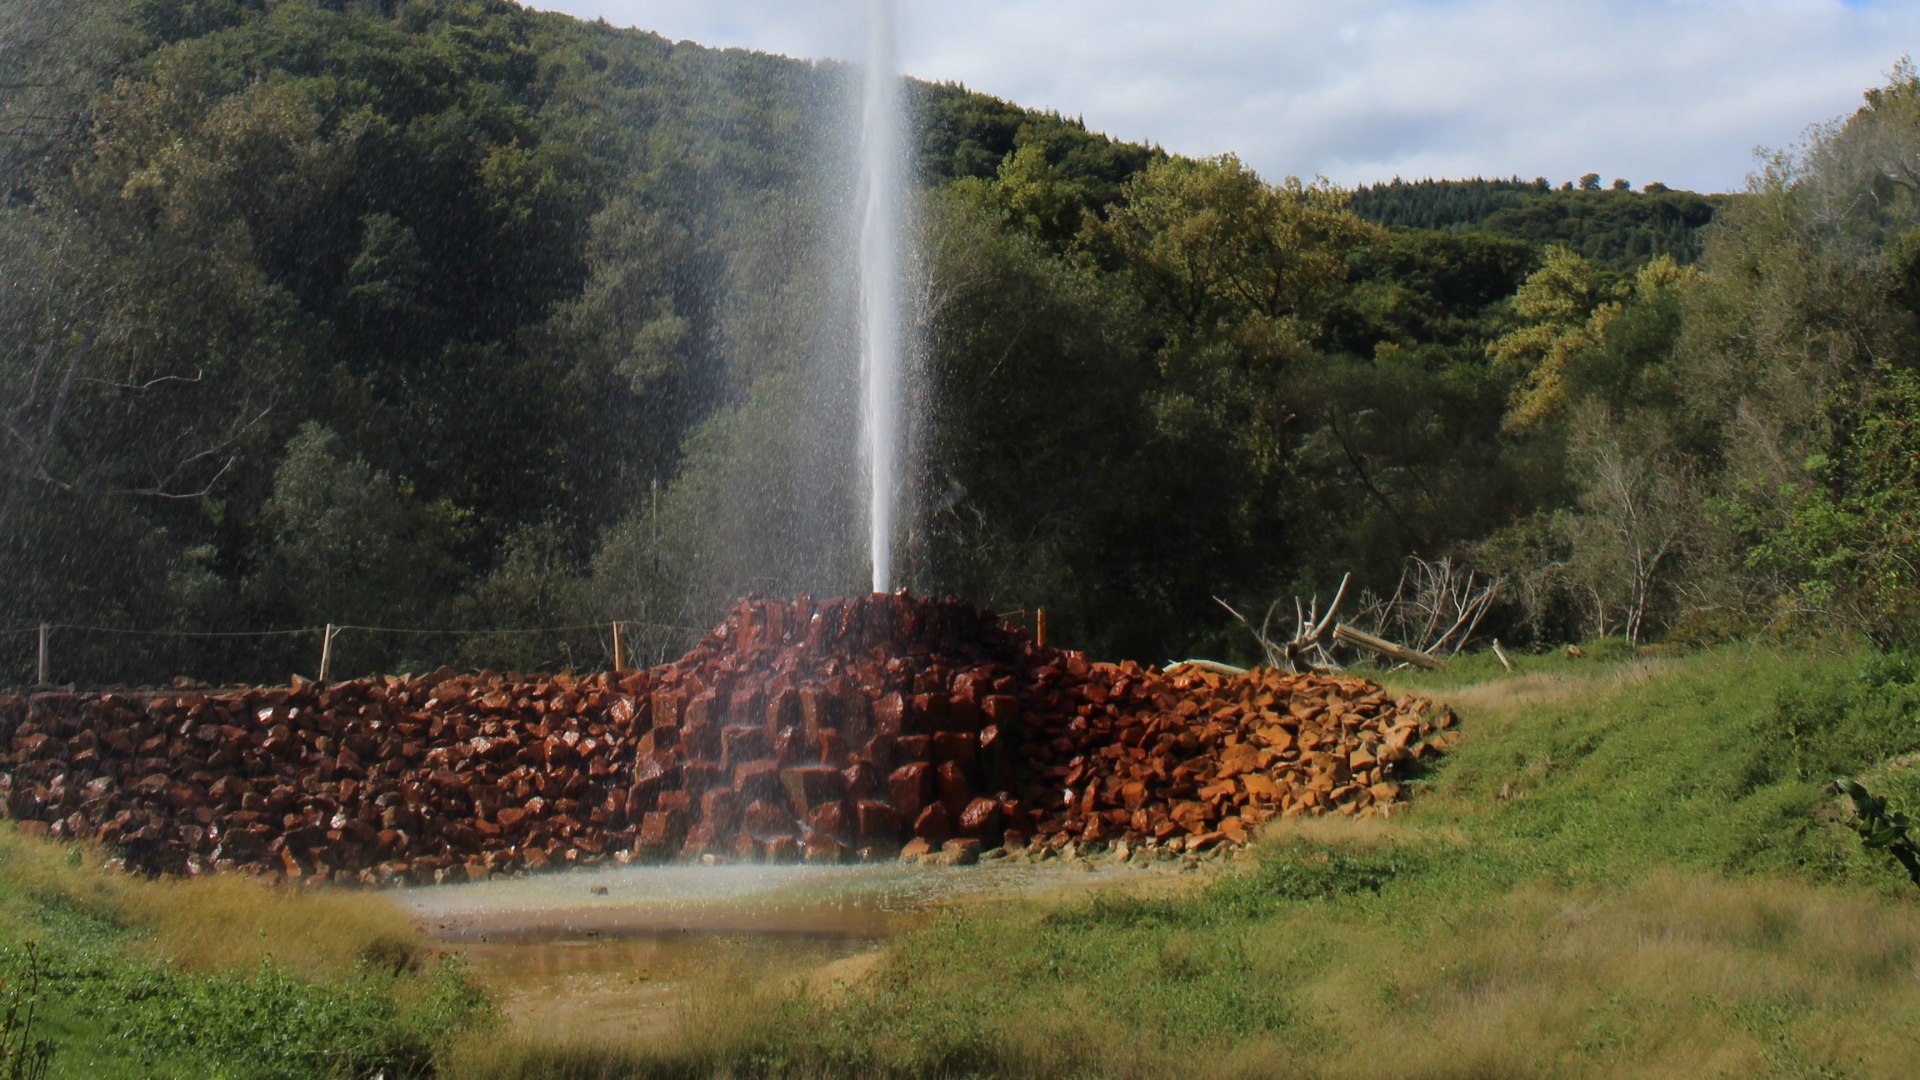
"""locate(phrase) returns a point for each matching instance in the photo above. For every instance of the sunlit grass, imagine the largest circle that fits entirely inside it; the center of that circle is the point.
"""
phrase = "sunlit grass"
(223, 976)
(223, 922)
(228, 922)
(1667, 975)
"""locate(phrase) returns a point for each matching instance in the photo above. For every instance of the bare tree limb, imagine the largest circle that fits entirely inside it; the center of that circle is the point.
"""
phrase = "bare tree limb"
(149, 384)
(161, 493)
(1349, 636)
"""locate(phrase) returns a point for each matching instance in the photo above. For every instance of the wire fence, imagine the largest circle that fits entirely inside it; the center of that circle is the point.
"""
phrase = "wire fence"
(77, 654)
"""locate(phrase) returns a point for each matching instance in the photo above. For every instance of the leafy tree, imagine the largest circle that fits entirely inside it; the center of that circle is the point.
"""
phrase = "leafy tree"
(1629, 365)
(1037, 198)
(1606, 227)
(54, 57)
(1796, 321)
(1010, 517)
(1563, 308)
(533, 585)
(1240, 277)
(343, 542)
(1851, 533)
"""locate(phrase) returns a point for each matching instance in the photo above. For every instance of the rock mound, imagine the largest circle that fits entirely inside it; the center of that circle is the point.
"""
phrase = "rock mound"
(849, 729)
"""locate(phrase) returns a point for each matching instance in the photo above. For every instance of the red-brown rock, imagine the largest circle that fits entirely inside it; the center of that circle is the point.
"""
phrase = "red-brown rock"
(809, 786)
(933, 825)
(870, 720)
(877, 823)
(981, 819)
(912, 788)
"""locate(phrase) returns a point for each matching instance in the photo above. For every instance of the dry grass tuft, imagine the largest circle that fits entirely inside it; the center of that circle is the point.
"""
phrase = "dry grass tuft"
(1670, 976)
(222, 922)
(1501, 699)
(724, 1016)
(234, 922)
(1333, 830)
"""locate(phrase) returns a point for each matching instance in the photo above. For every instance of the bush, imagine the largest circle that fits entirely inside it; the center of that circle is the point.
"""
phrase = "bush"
(1840, 724)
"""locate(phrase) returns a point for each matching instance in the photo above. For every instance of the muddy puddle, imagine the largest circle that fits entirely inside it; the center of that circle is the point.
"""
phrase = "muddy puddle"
(617, 953)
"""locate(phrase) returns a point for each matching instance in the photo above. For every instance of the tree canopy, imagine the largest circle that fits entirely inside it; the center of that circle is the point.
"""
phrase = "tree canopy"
(451, 314)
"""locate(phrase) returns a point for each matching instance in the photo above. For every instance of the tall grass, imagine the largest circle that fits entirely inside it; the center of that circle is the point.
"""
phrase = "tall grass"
(218, 923)
(223, 976)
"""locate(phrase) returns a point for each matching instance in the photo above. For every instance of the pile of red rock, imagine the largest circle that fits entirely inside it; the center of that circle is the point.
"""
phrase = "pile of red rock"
(843, 730)
(1191, 757)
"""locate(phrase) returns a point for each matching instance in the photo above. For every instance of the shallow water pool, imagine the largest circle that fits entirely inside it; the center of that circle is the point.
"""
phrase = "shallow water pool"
(618, 952)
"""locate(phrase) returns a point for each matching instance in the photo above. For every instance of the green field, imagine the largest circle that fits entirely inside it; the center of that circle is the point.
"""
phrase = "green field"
(1627, 866)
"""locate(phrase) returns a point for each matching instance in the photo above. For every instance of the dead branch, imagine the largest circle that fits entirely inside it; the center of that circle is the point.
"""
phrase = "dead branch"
(1274, 654)
(1307, 649)
(1214, 666)
(1347, 635)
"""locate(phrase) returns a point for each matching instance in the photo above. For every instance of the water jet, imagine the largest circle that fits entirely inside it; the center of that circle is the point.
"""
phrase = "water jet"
(882, 119)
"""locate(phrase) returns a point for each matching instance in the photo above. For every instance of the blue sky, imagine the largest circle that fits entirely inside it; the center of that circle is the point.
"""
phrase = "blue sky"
(1679, 91)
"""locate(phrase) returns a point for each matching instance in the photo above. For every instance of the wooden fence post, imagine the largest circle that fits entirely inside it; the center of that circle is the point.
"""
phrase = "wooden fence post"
(1040, 628)
(619, 649)
(326, 652)
(40, 668)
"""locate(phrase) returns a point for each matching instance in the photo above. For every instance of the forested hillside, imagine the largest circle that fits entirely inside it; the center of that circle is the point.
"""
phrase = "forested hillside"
(445, 314)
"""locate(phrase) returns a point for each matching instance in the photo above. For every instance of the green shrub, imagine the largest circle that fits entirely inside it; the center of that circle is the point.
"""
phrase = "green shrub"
(1838, 723)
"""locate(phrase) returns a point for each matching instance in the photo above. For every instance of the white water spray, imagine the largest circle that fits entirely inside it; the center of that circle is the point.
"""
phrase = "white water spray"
(880, 179)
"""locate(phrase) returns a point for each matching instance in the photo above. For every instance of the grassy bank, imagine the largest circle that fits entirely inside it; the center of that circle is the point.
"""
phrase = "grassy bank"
(1628, 866)
(220, 977)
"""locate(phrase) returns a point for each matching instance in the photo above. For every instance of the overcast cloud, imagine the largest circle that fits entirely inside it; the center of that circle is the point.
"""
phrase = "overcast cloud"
(1680, 91)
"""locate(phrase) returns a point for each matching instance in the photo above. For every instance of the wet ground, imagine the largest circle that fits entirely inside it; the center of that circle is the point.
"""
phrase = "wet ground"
(617, 952)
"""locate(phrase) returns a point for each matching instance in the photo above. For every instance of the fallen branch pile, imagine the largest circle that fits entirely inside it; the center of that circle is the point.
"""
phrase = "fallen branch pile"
(841, 730)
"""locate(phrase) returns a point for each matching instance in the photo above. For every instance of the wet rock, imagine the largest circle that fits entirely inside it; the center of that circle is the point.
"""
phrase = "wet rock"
(877, 823)
(911, 787)
(933, 825)
(981, 819)
(810, 786)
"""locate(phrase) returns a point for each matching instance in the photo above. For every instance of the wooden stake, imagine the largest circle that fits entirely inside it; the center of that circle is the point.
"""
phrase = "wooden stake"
(326, 652)
(41, 667)
(619, 649)
(1040, 628)
(1501, 656)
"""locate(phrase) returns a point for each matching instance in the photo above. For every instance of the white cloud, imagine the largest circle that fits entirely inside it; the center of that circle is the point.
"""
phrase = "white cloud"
(1672, 90)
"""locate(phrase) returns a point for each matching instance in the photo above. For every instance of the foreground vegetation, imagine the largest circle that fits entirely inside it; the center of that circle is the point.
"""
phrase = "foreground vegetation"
(219, 977)
(1630, 866)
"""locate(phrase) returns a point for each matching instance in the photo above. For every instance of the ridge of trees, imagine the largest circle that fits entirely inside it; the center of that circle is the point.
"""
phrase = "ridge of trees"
(1615, 226)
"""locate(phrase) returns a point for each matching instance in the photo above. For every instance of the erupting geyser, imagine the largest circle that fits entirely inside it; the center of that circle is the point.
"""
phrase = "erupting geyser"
(864, 728)
(880, 346)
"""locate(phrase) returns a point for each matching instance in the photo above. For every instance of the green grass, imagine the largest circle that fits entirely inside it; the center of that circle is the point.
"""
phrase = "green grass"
(1628, 867)
(184, 979)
